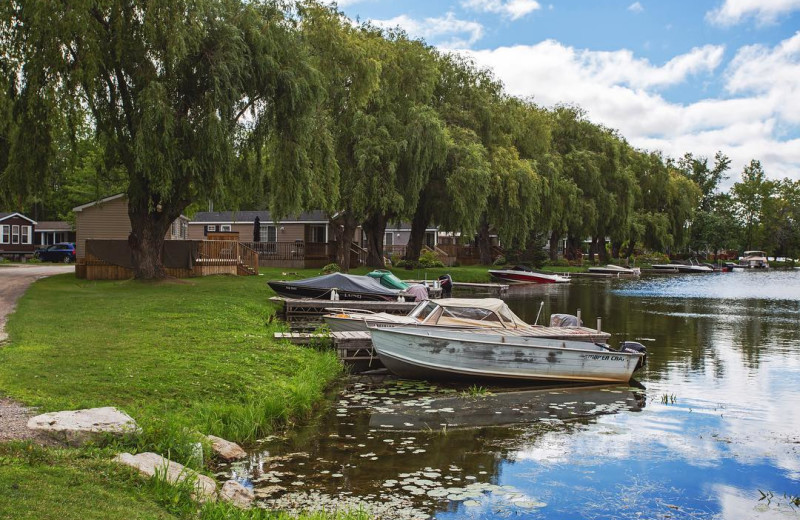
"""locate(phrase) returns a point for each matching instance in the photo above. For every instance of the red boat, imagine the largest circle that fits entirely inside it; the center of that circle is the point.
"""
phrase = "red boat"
(521, 274)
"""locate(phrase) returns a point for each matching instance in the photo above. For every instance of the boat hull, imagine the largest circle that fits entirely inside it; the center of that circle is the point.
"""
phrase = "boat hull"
(519, 277)
(456, 356)
(288, 290)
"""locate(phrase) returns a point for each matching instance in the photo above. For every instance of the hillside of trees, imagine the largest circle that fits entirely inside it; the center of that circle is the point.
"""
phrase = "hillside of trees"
(292, 107)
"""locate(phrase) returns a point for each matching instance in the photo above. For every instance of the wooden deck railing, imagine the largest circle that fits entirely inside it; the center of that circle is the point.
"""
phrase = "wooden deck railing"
(297, 250)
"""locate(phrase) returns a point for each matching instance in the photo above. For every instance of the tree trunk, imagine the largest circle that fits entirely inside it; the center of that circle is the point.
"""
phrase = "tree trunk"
(419, 224)
(592, 249)
(484, 242)
(616, 248)
(601, 249)
(146, 240)
(375, 229)
(344, 228)
(555, 236)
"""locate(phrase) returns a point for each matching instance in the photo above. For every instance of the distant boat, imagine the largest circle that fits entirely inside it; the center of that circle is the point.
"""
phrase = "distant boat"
(488, 314)
(683, 267)
(420, 353)
(336, 286)
(522, 274)
(617, 270)
(754, 260)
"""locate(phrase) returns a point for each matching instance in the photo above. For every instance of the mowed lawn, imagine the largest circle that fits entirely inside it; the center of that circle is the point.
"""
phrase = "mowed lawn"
(181, 355)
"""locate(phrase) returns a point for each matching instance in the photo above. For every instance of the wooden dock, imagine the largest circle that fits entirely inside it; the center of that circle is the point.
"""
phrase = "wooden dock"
(353, 348)
(307, 313)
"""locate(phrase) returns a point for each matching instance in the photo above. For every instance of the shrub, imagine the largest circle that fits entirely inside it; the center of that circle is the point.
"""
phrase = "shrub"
(428, 259)
(331, 268)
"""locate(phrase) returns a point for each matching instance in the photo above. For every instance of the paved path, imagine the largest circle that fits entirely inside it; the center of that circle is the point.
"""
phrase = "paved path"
(14, 280)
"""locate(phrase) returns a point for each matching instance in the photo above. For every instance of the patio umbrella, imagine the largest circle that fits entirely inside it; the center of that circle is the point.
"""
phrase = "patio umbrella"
(257, 230)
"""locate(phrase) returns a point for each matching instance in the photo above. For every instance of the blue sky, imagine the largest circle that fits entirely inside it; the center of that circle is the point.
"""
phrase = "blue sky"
(672, 75)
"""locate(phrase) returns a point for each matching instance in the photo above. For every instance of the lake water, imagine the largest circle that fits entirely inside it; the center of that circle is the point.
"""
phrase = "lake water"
(713, 432)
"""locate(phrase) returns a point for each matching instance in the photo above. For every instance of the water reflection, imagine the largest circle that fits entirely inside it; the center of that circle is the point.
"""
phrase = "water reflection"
(718, 423)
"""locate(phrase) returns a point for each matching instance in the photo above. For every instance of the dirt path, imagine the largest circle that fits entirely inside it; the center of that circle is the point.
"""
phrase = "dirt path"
(14, 280)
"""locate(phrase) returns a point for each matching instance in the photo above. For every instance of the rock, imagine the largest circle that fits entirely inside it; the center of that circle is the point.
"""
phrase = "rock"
(78, 427)
(226, 449)
(151, 464)
(237, 494)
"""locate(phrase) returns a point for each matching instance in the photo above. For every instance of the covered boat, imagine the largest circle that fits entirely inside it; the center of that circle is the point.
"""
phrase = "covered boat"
(462, 313)
(522, 274)
(616, 270)
(683, 267)
(423, 353)
(754, 260)
(336, 286)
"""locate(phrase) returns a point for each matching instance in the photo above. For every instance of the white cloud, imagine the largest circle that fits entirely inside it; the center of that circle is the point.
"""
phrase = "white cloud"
(732, 12)
(513, 9)
(636, 7)
(447, 31)
(621, 91)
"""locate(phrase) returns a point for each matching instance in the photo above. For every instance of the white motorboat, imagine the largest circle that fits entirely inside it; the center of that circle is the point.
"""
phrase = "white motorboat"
(462, 313)
(616, 270)
(683, 267)
(423, 353)
(521, 274)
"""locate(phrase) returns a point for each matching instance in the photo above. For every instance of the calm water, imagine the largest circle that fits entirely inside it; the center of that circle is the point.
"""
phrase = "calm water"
(716, 424)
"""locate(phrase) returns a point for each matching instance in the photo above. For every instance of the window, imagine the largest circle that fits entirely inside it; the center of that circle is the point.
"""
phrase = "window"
(269, 233)
(15, 234)
(184, 229)
(318, 233)
(26, 235)
(225, 227)
(5, 234)
(175, 228)
(211, 228)
(388, 239)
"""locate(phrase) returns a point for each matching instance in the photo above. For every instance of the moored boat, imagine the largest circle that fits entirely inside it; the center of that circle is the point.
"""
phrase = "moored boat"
(616, 270)
(420, 353)
(336, 286)
(521, 274)
(683, 267)
(754, 260)
(490, 314)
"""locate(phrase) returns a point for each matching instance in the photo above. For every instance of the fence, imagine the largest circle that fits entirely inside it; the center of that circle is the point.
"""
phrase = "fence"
(297, 254)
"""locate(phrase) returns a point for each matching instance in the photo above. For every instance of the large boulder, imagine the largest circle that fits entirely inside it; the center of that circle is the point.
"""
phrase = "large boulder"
(78, 427)
(237, 494)
(152, 464)
(225, 449)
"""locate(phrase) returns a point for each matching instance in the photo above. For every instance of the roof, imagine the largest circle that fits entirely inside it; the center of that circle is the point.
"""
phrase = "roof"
(96, 202)
(230, 217)
(53, 225)
(4, 216)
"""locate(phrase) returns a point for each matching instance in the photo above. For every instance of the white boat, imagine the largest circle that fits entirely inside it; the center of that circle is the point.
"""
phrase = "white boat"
(422, 353)
(616, 270)
(461, 313)
(521, 274)
(681, 267)
(754, 260)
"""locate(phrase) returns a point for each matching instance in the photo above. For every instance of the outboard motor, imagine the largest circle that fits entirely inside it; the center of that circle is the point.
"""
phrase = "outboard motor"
(633, 347)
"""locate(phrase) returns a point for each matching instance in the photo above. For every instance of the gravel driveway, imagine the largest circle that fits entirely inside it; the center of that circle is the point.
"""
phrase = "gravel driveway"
(14, 280)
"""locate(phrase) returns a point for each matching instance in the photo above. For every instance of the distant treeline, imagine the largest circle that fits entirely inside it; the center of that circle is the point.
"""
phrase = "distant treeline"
(295, 107)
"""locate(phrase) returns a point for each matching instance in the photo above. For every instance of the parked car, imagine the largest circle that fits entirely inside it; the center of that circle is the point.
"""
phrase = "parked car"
(61, 252)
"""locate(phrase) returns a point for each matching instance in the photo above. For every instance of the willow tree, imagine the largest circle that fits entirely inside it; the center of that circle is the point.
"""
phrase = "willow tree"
(397, 139)
(348, 58)
(177, 91)
(455, 194)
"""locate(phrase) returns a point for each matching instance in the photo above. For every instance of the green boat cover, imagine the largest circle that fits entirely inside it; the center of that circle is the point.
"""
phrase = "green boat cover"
(388, 279)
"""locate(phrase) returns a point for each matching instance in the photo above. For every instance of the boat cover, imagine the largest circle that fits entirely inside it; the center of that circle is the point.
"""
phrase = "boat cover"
(388, 279)
(493, 304)
(346, 282)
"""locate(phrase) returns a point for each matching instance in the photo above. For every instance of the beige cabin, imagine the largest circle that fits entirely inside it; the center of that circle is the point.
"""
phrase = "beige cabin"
(108, 219)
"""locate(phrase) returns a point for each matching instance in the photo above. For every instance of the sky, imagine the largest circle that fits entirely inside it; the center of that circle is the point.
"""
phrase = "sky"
(674, 76)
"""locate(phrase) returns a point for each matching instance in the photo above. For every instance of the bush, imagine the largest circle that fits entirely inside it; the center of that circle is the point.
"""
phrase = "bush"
(331, 268)
(500, 260)
(428, 259)
(561, 262)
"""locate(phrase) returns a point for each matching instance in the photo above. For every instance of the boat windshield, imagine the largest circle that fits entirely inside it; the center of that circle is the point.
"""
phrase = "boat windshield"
(469, 316)
(422, 310)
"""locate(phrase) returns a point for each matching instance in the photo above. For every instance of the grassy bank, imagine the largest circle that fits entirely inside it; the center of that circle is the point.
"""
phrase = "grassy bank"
(180, 357)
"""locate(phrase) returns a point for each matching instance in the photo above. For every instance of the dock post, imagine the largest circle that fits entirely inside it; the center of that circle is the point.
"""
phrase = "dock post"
(599, 324)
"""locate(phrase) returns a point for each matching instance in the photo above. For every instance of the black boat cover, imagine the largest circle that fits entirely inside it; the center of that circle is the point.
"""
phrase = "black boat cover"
(346, 282)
